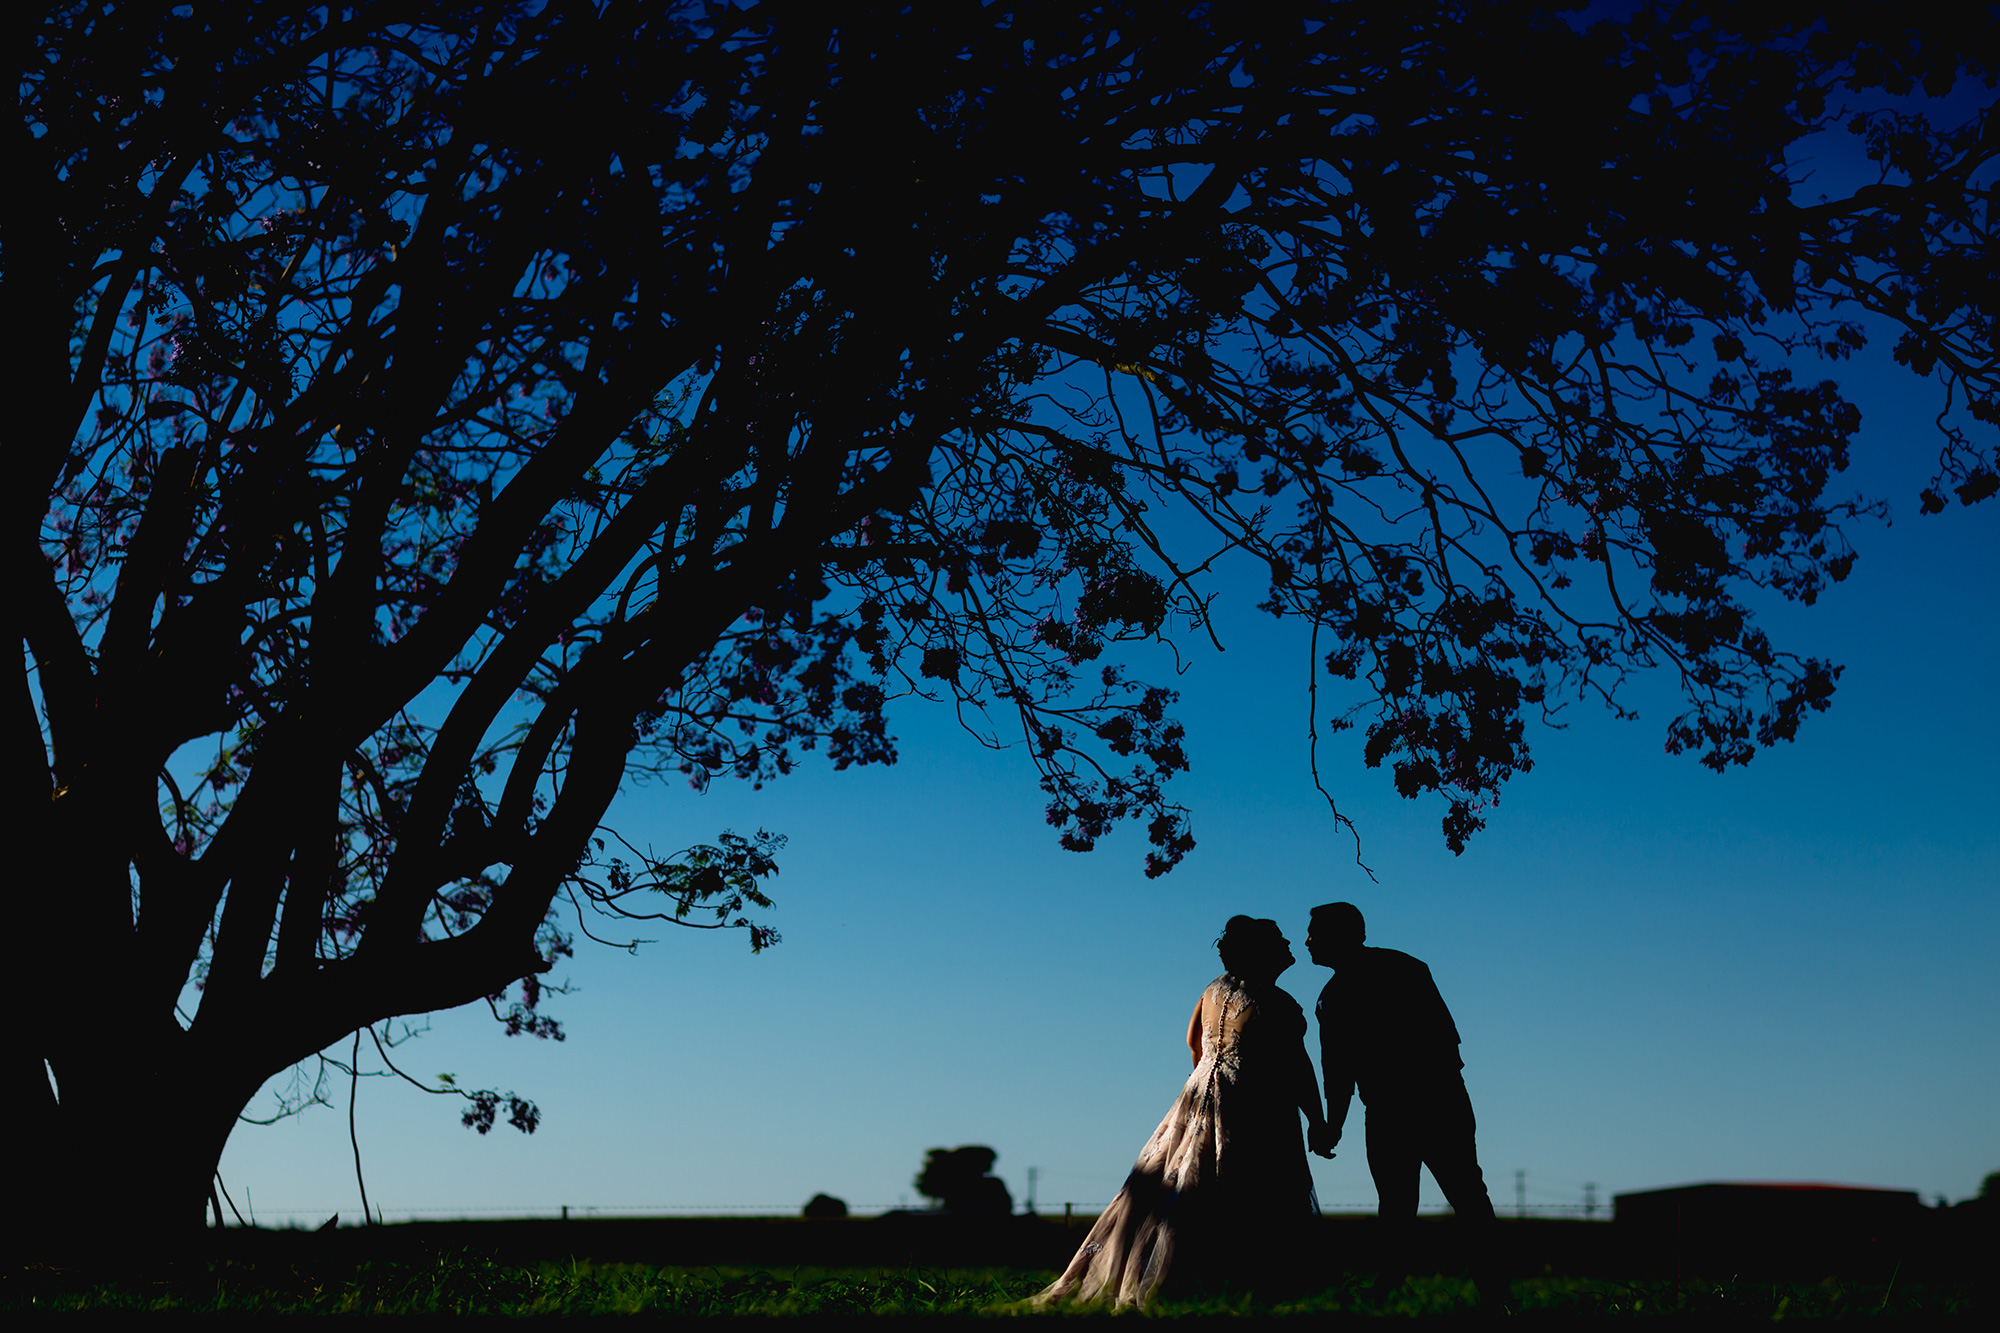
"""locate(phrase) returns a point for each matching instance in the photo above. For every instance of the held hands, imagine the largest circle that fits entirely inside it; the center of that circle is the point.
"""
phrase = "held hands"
(1322, 1139)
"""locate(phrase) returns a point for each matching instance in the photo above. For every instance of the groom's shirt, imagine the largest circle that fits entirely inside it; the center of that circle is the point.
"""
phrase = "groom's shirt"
(1384, 1029)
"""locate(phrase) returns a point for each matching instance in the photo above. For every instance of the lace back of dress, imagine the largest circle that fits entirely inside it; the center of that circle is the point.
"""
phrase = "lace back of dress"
(1223, 1023)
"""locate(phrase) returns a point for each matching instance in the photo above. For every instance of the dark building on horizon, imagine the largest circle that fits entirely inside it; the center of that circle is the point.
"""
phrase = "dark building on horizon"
(1732, 1225)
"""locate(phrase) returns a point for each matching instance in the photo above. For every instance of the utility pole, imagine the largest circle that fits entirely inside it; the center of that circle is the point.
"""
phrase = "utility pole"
(1589, 1202)
(1520, 1192)
(1032, 1172)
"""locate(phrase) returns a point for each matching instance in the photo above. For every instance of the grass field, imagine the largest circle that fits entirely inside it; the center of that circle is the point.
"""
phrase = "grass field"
(466, 1283)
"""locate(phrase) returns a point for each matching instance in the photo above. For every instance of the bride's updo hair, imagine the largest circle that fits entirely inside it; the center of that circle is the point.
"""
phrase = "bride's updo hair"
(1249, 946)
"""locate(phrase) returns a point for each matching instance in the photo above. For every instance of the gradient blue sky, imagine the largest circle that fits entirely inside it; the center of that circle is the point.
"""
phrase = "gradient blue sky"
(1661, 975)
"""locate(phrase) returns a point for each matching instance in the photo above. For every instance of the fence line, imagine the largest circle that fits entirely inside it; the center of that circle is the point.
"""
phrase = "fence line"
(559, 1212)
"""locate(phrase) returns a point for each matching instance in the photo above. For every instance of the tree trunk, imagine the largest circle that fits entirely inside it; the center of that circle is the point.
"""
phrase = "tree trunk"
(116, 1167)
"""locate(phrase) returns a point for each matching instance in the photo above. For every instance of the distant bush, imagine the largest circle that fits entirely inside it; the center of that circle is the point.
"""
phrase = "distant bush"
(958, 1179)
(825, 1205)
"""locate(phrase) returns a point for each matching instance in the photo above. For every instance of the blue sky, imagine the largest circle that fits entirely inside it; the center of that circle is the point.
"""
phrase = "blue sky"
(1662, 975)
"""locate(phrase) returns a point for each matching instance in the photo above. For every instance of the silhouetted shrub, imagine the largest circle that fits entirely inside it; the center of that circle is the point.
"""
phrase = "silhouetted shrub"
(958, 1179)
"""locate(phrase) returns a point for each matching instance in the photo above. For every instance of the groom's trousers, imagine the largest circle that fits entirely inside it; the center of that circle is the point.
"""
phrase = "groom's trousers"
(1432, 1128)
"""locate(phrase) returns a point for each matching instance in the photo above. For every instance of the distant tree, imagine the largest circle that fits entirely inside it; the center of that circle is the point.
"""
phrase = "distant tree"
(961, 1180)
(825, 1205)
(1990, 1186)
(431, 416)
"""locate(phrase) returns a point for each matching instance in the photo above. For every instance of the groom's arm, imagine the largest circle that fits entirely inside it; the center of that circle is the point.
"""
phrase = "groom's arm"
(1336, 1065)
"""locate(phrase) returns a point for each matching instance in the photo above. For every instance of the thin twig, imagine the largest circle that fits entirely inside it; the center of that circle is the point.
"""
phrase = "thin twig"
(1312, 748)
(224, 1190)
(354, 1086)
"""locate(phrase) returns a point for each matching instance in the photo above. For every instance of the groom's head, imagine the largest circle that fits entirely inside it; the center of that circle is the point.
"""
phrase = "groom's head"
(1335, 934)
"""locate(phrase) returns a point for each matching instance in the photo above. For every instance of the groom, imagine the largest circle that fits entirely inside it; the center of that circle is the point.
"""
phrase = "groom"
(1384, 1028)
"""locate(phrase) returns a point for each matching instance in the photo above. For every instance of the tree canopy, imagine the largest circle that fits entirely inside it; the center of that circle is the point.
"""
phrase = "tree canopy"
(460, 409)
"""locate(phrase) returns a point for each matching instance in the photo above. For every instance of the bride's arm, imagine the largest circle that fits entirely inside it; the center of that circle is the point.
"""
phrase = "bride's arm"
(1308, 1100)
(1194, 1030)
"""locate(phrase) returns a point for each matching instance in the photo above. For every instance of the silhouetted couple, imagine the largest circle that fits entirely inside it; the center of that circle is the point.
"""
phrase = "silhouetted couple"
(1221, 1191)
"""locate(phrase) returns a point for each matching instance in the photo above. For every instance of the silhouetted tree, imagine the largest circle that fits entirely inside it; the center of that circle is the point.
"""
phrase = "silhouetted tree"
(429, 416)
(960, 1180)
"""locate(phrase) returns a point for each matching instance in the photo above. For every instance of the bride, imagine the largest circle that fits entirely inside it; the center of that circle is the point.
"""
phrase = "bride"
(1222, 1186)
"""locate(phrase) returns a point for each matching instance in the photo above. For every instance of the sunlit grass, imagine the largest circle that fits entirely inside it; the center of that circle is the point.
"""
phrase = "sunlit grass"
(466, 1283)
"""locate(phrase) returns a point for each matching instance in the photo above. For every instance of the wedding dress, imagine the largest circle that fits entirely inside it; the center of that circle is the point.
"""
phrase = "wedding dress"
(1223, 1182)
